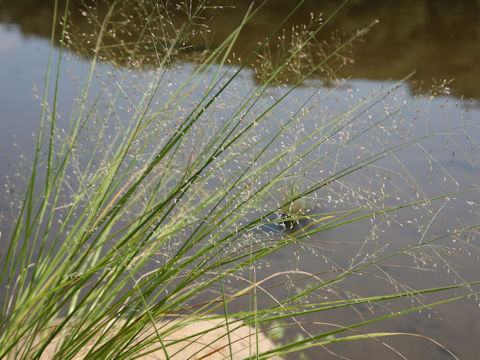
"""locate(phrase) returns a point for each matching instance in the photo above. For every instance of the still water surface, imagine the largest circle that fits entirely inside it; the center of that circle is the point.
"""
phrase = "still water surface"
(438, 40)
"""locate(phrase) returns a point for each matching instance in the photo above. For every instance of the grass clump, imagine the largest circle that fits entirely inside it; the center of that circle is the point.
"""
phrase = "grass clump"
(153, 207)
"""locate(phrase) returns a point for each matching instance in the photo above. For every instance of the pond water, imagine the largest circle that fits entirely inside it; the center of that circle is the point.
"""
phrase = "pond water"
(438, 40)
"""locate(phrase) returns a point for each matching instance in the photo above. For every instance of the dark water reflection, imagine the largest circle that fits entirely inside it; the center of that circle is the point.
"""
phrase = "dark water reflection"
(437, 39)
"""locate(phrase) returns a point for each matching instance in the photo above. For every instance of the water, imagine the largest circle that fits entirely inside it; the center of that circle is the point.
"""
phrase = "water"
(438, 41)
